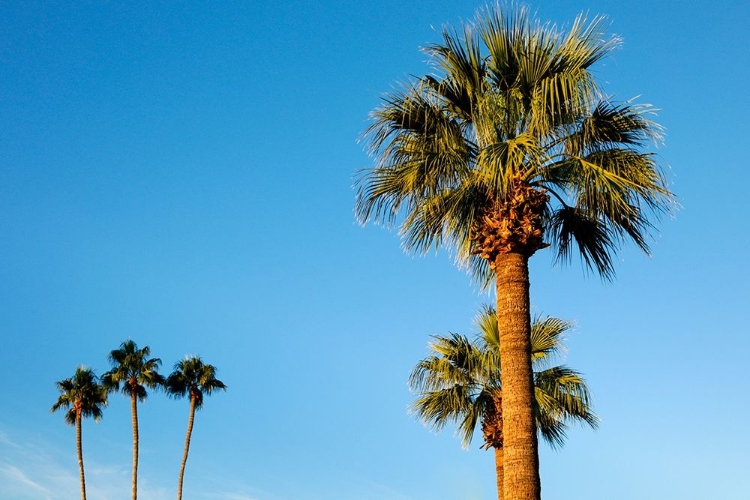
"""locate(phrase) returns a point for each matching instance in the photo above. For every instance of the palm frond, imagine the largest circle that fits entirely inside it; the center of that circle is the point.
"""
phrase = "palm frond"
(546, 337)
(612, 125)
(459, 58)
(562, 394)
(553, 431)
(594, 240)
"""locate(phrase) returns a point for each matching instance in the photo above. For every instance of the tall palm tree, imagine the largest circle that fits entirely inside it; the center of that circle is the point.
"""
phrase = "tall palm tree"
(460, 383)
(82, 396)
(191, 377)
(507, 148)
(134, 371)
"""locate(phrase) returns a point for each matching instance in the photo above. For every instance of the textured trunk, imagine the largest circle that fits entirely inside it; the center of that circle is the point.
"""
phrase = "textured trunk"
(187, 447)
(492, 428)
(79, 448)
(499, 471)
(521, 459)
(134, 411)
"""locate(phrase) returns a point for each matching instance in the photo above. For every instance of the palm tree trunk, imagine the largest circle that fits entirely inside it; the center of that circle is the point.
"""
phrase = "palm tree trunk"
(134, 411)
(499, 471)
(187, 447)
(79, 448)
(521, 462)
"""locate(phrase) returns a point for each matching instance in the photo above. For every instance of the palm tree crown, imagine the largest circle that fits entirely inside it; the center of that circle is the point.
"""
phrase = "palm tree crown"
(81, 395)
(191, 377)
(460, 383)
(133, 368)
(512, 146)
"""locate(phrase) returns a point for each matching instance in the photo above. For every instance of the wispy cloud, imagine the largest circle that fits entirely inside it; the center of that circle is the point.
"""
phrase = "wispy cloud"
(352, 486)
(4, 439)
(31, 469)
(17, 484)
(233, 496)
(28, 470)
(380, 491)
(39, 468)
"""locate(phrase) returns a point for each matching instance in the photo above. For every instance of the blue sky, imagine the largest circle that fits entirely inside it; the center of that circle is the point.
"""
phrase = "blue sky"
(180, 174)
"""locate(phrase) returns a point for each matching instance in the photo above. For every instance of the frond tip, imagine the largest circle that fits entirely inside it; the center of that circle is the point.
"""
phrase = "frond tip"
(593, 240)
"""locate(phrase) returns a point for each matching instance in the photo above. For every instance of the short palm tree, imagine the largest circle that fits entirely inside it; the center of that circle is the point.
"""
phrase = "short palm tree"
(133, 372)
(82, 396)
(460, 383)
(507, 148)
(193, 378)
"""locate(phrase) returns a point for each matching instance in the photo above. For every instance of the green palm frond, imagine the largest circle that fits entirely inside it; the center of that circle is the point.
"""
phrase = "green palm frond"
(553, 431)
(437, 408)
(454, 361)
(610, 125)
(445, 215)
(460, 58)
(563, 396)
(546, 337)
(594, 240)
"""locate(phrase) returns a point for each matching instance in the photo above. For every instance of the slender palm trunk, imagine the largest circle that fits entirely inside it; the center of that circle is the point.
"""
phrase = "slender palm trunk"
(521, 457)
(187, 447)
(134, 411)
(79, 448)
(499, 471)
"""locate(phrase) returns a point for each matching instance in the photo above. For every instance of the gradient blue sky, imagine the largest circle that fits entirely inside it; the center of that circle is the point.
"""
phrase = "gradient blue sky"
(180, 174)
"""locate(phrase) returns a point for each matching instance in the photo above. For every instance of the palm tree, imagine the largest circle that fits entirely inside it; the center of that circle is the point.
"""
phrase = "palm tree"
(191, 377)
(135, 371)
(508, 148)
(82, 396)
(460, 383)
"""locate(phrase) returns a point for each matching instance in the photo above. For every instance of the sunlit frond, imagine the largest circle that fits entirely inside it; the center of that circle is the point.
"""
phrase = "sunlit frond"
(546, 338)
(562, 396)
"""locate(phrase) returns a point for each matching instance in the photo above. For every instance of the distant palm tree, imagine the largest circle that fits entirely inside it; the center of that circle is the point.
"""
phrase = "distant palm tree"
(507, 146)
(132, 368)
(191, 377)
(81, 396)
(460, 382)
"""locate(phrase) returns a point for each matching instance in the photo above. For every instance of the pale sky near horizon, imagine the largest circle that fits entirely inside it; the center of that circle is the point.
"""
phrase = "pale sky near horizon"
(181, 174)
